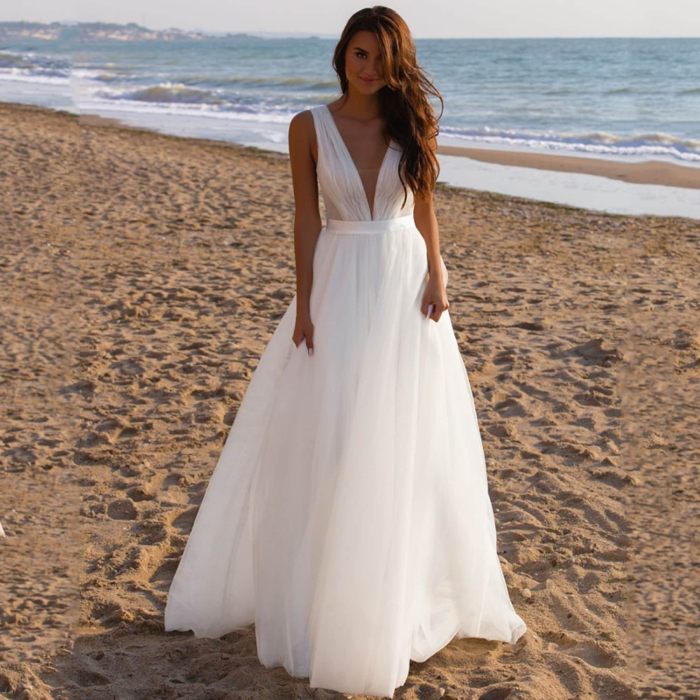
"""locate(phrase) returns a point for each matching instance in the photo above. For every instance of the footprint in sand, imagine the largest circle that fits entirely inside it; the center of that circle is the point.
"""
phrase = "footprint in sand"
(122, 509)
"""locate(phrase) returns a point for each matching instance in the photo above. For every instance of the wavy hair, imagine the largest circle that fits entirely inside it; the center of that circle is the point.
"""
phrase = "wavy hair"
(408, 115)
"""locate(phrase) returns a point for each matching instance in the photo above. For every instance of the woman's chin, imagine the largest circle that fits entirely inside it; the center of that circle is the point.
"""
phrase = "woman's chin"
(368, 88)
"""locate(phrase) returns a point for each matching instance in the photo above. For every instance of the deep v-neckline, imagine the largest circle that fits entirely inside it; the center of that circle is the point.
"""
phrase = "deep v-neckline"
(355, 168)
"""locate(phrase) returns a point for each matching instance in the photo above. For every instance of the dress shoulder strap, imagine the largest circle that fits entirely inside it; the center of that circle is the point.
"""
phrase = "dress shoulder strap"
(320, 129)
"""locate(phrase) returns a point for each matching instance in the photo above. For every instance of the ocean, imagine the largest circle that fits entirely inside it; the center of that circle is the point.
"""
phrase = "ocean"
(629, 99)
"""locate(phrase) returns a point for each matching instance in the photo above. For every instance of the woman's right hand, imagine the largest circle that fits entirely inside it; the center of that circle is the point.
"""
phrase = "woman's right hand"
(304, 329)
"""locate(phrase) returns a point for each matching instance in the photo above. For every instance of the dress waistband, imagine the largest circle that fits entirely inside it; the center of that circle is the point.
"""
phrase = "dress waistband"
(370, 225)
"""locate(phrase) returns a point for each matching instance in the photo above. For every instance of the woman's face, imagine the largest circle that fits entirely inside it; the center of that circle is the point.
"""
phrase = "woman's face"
(363, 63)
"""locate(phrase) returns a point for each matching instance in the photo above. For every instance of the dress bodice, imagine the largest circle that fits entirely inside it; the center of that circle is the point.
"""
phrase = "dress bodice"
(341, 185)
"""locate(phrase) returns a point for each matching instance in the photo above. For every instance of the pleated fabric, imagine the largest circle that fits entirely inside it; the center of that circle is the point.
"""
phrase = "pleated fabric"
(348, 516)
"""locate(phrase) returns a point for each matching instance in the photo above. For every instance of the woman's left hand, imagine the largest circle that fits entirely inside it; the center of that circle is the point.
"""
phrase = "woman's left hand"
(435, 294)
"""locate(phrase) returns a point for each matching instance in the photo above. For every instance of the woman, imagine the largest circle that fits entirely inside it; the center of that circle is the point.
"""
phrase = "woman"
(348, 516)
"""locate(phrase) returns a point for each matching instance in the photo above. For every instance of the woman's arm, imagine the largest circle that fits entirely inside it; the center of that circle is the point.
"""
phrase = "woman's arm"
(426, 222)
(307, 218)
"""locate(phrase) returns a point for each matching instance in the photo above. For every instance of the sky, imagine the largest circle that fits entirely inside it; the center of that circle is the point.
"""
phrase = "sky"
(425, 18)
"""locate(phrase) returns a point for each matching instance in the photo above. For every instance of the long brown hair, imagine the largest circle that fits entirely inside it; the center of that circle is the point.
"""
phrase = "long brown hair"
(408, 115)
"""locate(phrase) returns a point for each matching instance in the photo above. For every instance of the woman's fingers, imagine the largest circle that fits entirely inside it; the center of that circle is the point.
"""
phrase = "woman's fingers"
(305, 331)
(433, 310)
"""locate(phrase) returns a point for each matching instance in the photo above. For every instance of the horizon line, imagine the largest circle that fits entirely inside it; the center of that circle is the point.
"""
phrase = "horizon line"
(261, 33)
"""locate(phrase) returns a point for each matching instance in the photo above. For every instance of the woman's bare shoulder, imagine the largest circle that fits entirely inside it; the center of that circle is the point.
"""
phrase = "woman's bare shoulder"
(305, 117)
(302, 132)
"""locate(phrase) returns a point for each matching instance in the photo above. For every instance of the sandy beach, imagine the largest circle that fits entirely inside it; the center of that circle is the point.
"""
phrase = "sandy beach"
(140, 277)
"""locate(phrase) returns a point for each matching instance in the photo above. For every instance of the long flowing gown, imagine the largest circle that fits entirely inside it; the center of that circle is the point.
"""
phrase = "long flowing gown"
(348, 516)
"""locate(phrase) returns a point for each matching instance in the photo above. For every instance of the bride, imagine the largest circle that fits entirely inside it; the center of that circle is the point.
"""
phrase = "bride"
(348, 517)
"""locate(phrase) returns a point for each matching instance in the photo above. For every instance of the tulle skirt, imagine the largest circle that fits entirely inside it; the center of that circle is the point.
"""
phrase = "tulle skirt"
(348, 515)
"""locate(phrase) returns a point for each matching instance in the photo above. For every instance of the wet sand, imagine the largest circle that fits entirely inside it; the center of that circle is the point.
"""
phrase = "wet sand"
(652, 172)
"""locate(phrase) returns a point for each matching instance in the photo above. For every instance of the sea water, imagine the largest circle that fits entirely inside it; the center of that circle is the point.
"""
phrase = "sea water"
(630, 99)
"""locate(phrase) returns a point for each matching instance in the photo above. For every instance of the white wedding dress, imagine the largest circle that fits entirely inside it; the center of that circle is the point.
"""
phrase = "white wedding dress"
(348, 515)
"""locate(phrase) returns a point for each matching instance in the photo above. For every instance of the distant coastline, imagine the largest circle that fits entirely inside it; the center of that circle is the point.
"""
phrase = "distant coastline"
(110, 31)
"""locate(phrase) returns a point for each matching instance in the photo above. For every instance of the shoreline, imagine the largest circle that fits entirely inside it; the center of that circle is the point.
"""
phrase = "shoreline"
(647, 172)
